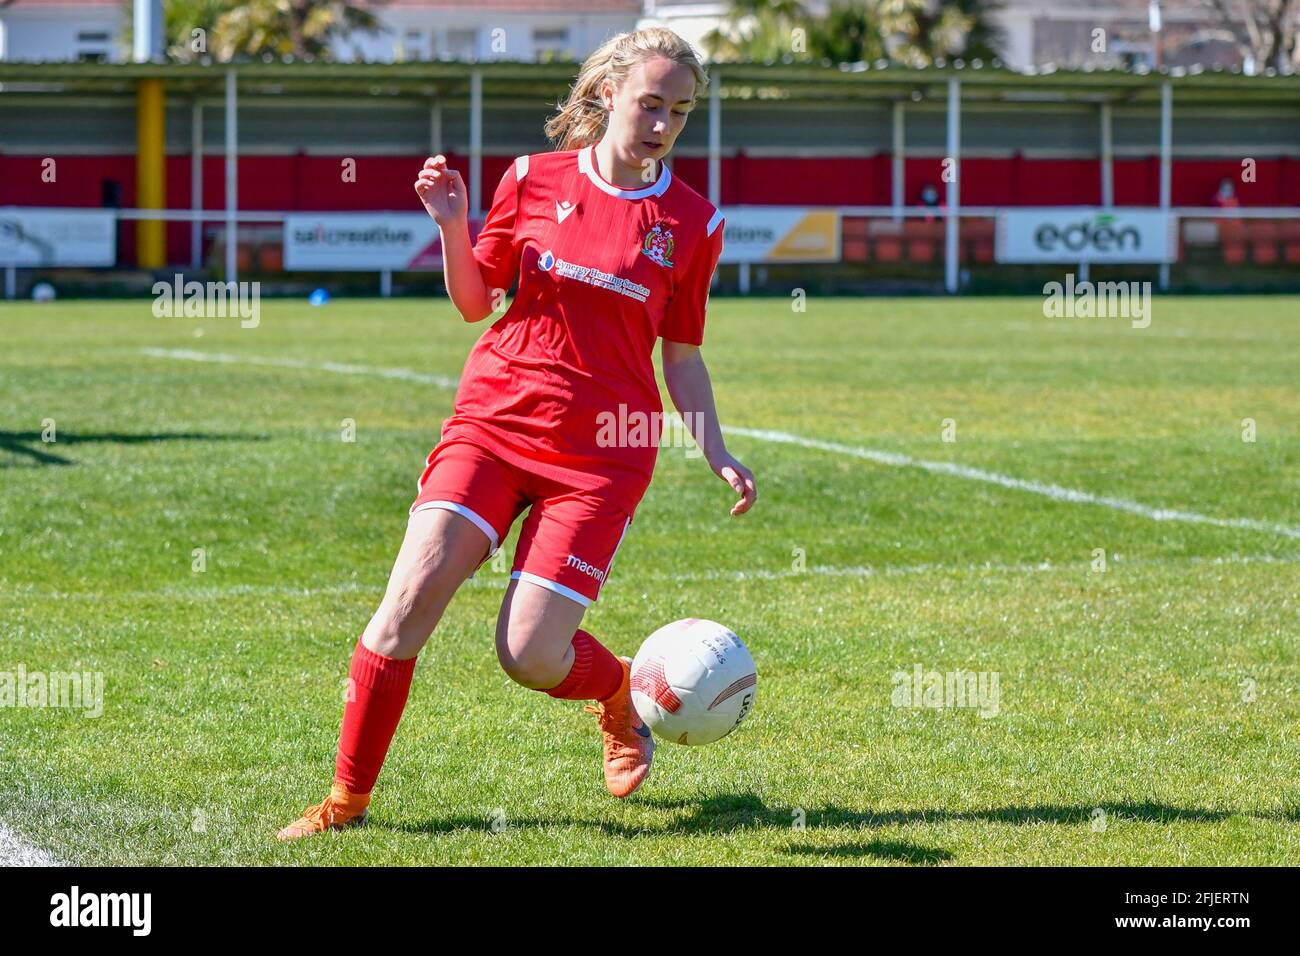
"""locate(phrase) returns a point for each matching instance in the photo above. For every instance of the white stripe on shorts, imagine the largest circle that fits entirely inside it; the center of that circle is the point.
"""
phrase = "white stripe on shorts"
(551, 586)
(472, 515)
(616, 547)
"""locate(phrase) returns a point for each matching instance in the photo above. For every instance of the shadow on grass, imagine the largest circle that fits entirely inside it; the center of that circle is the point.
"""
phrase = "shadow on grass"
(883, 849)
(726, 813)
(31, 445)
(747, 811)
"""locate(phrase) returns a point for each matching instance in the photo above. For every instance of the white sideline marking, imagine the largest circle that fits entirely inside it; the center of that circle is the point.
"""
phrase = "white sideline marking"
(1056, 327)
(1055, 492)
(892, 570)
(892, 459)
(16, 852)
(224, 358)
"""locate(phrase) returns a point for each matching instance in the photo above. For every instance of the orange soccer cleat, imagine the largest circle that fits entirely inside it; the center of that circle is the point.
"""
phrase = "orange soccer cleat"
(629, 746)
(336, 812)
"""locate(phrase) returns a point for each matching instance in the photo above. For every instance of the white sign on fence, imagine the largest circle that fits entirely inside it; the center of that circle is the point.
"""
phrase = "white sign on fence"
(56, 237)
(1071, 234)
(362, 242)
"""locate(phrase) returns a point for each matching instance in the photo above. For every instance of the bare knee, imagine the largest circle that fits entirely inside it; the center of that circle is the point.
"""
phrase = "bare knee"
(528, 661)
(412, 608)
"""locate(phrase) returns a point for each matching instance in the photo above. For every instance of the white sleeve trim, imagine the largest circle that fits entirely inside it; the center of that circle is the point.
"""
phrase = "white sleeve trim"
(713, 222)
(521, 167)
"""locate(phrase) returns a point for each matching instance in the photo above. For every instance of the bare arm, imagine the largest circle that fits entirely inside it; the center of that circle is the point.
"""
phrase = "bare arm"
(445, 198)
(465, 285)
(689, 386)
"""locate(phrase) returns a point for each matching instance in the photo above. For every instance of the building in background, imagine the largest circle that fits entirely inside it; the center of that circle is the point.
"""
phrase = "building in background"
(490, 29)
(691, 19)
(62, 30)
(1035, 32)
(33, 30)
(1063, 33)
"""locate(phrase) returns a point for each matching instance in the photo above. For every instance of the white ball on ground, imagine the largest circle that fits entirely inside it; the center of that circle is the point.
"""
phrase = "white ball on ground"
(42, 292)
(693, 681)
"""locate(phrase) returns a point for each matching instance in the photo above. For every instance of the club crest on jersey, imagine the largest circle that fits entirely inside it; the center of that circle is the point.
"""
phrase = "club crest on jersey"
(658, 244)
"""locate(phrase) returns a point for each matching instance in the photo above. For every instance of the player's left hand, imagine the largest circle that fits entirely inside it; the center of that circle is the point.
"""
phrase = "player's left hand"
(741, 479)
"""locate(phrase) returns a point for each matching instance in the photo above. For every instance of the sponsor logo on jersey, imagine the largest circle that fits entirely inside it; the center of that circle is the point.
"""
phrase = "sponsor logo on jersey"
(658, 244)
(591, 276)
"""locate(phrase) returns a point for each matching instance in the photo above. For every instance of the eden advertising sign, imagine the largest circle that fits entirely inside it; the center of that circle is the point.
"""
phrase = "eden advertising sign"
(1086, 234)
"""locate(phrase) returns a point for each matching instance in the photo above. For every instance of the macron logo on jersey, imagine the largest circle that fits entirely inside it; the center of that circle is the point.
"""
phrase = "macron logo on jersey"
(562, 210)
(574, 561)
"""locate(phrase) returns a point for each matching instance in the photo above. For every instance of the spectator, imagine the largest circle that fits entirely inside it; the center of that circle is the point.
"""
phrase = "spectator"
(930, 199)
(1226, 197)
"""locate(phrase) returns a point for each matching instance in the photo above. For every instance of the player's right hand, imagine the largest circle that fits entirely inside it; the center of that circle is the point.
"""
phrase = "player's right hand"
(442, 191)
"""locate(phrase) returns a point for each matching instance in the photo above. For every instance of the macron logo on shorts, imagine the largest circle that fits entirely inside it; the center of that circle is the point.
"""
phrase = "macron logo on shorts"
(574, 561)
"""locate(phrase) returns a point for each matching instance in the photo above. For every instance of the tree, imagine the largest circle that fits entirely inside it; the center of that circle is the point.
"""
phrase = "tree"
(296, 27)
(850, 33)
(231, 28)
(759, 30)
(1265, 30)
(915, 32)
(181, 18)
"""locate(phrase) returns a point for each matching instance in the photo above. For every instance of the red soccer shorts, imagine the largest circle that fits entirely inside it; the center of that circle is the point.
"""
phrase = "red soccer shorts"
(569, 539)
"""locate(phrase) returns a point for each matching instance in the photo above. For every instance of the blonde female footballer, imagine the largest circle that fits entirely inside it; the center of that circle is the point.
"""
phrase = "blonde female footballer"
(610, 253)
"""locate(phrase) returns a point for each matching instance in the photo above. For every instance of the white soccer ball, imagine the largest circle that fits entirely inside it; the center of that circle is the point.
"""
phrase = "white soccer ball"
(43, 292)
(693, 681)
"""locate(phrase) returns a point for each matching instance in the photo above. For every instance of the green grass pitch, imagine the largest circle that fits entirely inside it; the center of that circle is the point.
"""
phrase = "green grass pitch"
(1148, 713)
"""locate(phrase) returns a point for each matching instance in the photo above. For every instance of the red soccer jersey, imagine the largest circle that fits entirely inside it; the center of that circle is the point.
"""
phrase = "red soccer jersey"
(602, 273)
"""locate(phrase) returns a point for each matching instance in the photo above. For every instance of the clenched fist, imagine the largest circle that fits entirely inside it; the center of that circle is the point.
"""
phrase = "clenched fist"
(442, 191)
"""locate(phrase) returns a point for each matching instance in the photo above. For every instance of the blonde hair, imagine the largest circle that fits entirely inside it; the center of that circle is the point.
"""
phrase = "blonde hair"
(582, 118)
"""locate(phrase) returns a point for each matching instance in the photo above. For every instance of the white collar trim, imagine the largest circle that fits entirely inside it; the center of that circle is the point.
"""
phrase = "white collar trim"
(655, 189)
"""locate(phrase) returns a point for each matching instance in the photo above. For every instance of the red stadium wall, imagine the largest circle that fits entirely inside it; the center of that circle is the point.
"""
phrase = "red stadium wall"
(314, 183)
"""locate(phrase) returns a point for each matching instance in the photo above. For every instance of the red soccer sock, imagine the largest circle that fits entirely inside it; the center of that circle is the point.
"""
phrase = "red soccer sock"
(596, 673)
(380, 688)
